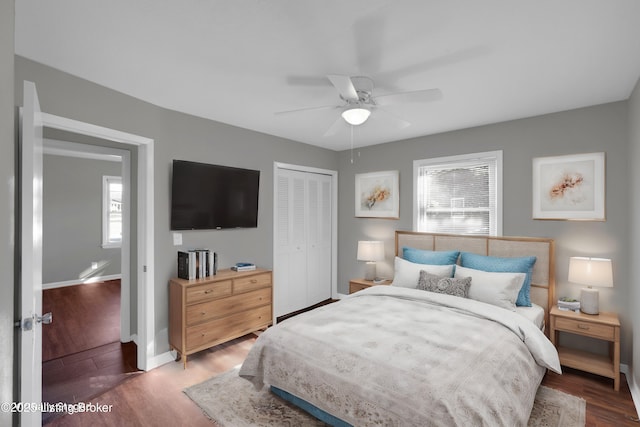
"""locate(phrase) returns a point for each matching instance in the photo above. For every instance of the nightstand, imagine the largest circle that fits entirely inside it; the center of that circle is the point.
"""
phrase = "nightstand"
(356, 285)
(603, 326)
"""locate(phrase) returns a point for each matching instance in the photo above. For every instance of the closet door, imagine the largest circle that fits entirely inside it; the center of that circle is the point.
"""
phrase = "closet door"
(290, 269)
(319, 238)
(302, 268)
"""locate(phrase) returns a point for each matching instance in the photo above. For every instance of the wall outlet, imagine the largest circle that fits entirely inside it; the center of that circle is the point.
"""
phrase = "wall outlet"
(94, 265)
(177, 239)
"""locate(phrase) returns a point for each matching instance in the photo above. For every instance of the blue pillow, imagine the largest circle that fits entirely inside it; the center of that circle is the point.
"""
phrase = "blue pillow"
(504, 265)
(421, 256)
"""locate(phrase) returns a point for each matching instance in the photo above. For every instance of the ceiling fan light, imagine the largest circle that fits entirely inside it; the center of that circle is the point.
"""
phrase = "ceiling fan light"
(356, 115)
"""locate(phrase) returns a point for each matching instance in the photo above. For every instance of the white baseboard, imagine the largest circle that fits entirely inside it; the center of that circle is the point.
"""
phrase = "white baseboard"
(160, 360)
(155, 361)
(633, 386)
(54, 285)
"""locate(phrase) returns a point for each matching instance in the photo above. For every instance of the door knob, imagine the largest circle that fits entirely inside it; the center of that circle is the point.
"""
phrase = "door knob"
(46, 318)
(27, 324)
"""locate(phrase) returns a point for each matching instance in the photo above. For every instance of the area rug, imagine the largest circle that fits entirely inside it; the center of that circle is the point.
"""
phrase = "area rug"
(232, 401)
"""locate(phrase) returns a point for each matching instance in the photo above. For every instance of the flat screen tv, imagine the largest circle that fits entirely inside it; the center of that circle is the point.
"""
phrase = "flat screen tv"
(209, 197)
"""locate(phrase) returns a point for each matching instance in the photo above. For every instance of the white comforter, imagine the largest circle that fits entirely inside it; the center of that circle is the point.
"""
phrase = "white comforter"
(403, 357)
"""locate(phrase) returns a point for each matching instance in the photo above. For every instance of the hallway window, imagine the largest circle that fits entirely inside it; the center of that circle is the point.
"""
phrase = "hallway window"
(111, 211)
(459, 194)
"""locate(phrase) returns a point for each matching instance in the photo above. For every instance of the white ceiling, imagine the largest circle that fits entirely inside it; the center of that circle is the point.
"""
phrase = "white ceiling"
(241, 61)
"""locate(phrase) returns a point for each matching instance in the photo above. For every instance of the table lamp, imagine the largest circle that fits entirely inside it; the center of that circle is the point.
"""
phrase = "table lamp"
(590, 272)
(370, 251)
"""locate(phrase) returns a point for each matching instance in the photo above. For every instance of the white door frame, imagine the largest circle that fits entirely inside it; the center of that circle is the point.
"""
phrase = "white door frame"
(334, 216)
(145, 337)
(80, 150)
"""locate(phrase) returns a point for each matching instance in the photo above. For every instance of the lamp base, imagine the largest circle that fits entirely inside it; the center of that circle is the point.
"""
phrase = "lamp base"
(589, 301)
(370, 270)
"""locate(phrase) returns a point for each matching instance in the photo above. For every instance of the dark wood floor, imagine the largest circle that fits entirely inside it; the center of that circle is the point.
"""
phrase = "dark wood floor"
(605, 406)
(84, 317)
(82, 353)
(156, 397)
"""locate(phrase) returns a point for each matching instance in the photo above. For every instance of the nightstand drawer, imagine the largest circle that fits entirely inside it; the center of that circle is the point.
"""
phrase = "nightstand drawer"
(594, 330)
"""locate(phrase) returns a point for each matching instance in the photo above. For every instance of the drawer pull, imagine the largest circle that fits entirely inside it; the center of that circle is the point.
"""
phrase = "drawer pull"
(585, 327)
(203, 313)
(204, 335)
(208, 291)
(254, 280)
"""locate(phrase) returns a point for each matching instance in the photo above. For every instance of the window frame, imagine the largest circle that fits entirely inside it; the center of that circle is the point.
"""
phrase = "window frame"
(450, 162)
(106, 180)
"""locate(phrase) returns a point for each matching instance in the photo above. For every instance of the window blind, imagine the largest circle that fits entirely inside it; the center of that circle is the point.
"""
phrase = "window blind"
(458, 195)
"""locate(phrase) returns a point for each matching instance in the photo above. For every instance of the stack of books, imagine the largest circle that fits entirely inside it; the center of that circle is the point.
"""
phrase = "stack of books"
(244, 266)
(568, 304)
(197, 264)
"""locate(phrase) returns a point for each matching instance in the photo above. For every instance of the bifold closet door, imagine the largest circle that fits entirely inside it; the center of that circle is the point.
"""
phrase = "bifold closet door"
(318, 238)
(302, 268)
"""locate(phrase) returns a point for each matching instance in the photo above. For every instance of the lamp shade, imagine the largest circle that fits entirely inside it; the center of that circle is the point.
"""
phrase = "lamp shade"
(370, 250)
(591, 271)
(356, 115)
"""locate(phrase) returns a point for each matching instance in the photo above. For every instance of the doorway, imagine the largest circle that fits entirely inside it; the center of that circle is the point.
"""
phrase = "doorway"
(82, 272)
(142, 270)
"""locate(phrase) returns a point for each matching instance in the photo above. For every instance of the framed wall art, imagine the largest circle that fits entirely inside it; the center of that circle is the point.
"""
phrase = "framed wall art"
(378, 195)
(569, 187)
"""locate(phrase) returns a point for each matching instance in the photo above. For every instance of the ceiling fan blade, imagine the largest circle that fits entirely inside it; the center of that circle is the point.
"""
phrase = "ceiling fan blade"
(335, 127)
(344, 85)
(463, 55)
(426, 95)
(398, 122)
(301, 110)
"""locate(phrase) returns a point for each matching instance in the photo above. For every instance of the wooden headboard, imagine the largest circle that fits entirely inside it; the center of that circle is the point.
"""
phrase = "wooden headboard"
(543, 282)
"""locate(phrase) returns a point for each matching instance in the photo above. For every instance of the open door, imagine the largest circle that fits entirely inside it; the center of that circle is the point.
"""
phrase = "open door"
(31, 255)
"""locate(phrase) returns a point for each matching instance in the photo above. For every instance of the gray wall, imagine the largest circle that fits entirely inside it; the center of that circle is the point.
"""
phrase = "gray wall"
(72, 219)
(634, 230)
(599, 128)
(178, 136)
(7, 203)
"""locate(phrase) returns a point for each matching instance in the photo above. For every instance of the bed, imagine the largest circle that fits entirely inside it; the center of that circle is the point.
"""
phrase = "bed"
(400, 356)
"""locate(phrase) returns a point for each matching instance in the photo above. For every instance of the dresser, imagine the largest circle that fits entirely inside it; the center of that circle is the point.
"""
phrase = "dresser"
(210, 311)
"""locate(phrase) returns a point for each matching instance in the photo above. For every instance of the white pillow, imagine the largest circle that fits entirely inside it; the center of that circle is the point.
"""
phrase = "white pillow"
(407, 273)
(499, 289)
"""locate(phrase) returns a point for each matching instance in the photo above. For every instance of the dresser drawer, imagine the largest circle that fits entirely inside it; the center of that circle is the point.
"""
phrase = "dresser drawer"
(198, 313)
(257, 281)
(208, 291)
(220, 330)
(594, 330)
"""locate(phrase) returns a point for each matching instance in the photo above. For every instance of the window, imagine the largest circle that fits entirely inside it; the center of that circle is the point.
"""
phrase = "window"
(111, 211)
(459, 194)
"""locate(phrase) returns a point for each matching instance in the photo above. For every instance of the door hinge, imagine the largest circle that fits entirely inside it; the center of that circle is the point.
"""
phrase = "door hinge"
(144, 268)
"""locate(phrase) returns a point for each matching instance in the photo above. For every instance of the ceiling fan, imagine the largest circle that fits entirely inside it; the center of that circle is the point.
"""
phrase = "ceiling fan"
(359, 103)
